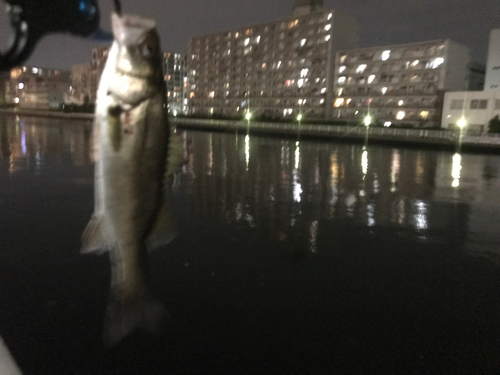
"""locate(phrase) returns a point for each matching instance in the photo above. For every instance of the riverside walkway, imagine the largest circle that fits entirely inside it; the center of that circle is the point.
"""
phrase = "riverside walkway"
(443, 139)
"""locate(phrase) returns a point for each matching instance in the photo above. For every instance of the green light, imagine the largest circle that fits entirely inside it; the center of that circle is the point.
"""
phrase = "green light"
(248, 116)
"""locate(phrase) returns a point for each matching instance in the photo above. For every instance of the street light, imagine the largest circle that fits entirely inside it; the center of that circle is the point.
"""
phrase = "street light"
(368, 121)
(299, 117)
(462, 122)
(248, 116)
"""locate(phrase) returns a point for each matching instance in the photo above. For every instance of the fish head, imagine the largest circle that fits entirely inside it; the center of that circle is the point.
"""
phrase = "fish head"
(138, 71)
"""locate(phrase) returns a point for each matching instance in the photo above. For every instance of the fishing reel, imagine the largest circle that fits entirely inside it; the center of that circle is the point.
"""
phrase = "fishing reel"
(33, 19)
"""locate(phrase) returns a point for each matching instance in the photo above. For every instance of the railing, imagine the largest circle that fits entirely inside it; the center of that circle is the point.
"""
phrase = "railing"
(336, 131)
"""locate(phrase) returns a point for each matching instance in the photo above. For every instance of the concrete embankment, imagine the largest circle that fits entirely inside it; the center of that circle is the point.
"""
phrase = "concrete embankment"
(422, 138)
(49, 114)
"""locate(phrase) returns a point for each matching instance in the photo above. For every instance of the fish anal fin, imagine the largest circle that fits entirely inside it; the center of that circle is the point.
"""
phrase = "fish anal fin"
(163, 231)
(94, 239)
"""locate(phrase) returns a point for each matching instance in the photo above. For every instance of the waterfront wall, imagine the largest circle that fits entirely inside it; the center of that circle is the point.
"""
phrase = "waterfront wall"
(50, 114)
(443, 139)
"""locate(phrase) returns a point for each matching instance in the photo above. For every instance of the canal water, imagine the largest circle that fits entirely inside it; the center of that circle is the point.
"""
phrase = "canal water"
(290, 257)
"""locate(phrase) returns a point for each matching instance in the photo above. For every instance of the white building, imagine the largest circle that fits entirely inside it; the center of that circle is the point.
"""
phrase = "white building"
(273, 69)
(492, 81)
(477, 108)
(399, 83)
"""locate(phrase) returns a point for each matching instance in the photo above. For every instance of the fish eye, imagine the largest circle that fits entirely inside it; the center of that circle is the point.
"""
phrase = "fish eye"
(146, 50)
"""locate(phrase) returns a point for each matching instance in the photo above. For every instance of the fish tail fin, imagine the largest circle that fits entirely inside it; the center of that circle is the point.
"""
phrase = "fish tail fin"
(123, 319)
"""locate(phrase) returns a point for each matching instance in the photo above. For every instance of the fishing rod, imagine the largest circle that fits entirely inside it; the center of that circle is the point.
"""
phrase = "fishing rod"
(33, 19)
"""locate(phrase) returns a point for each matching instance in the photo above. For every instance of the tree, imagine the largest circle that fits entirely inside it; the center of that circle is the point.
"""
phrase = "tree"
(494, 125)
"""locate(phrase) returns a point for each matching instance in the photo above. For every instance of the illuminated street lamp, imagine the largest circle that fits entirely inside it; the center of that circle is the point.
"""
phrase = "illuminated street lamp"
(299, 117)
(368, 121)
(461, 123)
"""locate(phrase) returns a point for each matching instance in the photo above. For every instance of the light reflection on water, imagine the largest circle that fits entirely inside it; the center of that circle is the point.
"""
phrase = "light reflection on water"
(28, 143)
(300, 191)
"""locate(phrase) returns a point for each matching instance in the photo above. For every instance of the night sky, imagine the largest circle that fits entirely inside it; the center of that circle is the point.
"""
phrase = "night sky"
(381, 22)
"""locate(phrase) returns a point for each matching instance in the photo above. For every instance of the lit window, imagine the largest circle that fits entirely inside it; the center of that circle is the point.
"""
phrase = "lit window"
(279, 64)
(321, 101)
(21, 85)
(361, 68)
(342, 68)
(371, 78)
(342, 58)
(304, 72)
(424, 115)
(191, 96)
(264, 65)
(384, 90)
(385, 55)
(415, 63)
(323, 90)
(16, 100)
(400, 103)
(330, 16)
(236, 35)
(341, 80)
(257, 40)
(247, 41)
(401, 115)
(340, 91)
(435, 63)
(211, 94)
(289, 82)
(328, 27)
(339, 102)
(300, 83)
(327, 38)
(303, 42)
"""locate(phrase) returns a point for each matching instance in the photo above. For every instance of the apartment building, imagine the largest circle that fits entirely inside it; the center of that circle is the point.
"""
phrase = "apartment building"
(37, 88)
(176, 81)
(273, 69)
(399, 83)
(475, 109)
(492, 81)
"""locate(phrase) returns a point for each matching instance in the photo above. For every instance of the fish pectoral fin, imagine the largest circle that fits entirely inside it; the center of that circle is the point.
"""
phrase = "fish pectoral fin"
(94, 239)
(164, 231)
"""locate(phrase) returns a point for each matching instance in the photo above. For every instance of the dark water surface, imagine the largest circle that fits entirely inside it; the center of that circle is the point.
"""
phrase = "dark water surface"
(293, 258)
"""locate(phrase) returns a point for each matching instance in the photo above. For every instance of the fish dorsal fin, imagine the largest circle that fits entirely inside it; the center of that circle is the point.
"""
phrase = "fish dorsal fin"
(95, 239)
(163, 231)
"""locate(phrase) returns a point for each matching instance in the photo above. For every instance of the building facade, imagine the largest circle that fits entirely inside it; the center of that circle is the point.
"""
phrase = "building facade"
(476, 107)
(176, 81)
(399, 83)
(492, 81)
(86, 77)
(81, 82)
(274, 69)
(37, 88)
